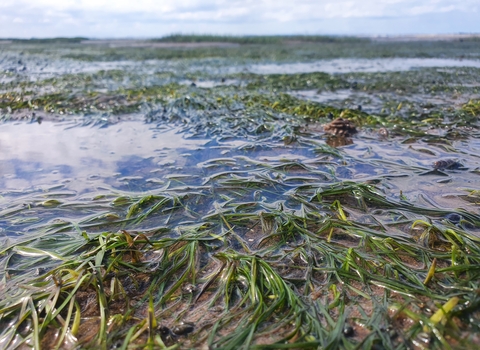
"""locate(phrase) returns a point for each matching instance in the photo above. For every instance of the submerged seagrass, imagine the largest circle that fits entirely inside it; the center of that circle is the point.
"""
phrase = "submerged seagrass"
(188, 197)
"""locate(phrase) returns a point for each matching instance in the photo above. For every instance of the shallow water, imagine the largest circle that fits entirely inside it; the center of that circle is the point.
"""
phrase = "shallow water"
(352, 98)
(347, 65)
(70, 161)
(38, 67)
(140, 157)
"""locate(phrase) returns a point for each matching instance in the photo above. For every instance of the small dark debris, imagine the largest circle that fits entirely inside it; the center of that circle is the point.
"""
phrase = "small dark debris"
(446, 164)
(377, 346)
(41, 271)
(189, 288)
(25, 327)
(383, 132)
(116, 345)
(348, 330)
(392, 333)
(459, 221)
(289, 139)
(164, 331)
(454, 218)
(183, 328)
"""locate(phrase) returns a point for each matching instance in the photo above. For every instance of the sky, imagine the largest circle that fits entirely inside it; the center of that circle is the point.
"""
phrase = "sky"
(150, 18)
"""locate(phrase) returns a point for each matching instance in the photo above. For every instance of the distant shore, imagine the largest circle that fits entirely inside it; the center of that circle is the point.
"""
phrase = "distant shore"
(194, 41)
(424, 37)
(153, 44)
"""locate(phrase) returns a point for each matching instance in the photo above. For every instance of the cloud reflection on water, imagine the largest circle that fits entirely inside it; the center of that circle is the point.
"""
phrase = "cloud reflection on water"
(34, 155)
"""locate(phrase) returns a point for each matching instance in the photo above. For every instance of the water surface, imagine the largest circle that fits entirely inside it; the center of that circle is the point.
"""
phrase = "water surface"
(349, 65)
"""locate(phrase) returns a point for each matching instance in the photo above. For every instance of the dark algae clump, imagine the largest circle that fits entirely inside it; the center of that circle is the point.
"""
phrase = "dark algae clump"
(221, 192)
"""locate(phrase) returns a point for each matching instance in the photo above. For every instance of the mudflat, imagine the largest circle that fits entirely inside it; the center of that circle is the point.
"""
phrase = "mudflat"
(240, 192)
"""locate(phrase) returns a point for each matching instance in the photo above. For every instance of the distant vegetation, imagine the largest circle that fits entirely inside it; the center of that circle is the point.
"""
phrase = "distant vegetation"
(242, 40)
(254, 39)
(50, 40)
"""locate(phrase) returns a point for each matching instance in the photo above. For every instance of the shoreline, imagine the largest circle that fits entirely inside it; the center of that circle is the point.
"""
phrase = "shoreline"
(287, 39)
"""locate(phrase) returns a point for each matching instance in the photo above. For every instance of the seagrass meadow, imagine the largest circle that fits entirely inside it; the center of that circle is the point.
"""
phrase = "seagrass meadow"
(183, 193)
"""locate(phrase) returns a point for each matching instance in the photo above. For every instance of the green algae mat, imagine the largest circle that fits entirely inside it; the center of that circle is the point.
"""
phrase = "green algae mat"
(200, 192)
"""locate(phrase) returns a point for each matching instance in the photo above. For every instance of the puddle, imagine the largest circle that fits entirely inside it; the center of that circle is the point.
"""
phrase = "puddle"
(325, 96)
(346, 65)
(409, 169)
(374, 103)
(135, 157)
(86, 157)
(37, 67)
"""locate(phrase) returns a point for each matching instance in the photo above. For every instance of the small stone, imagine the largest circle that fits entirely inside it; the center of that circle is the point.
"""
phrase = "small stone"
(189, 288)
(453, 218)
(183, 328)
(383, 132)
(446, 164)
(164, 330)
(348, 330)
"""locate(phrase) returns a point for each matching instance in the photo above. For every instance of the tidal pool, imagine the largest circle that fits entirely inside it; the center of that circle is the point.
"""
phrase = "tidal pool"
(73, 160)
(35, 155)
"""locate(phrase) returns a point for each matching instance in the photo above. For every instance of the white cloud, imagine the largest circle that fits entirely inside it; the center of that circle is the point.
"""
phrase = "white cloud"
(210, 15)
